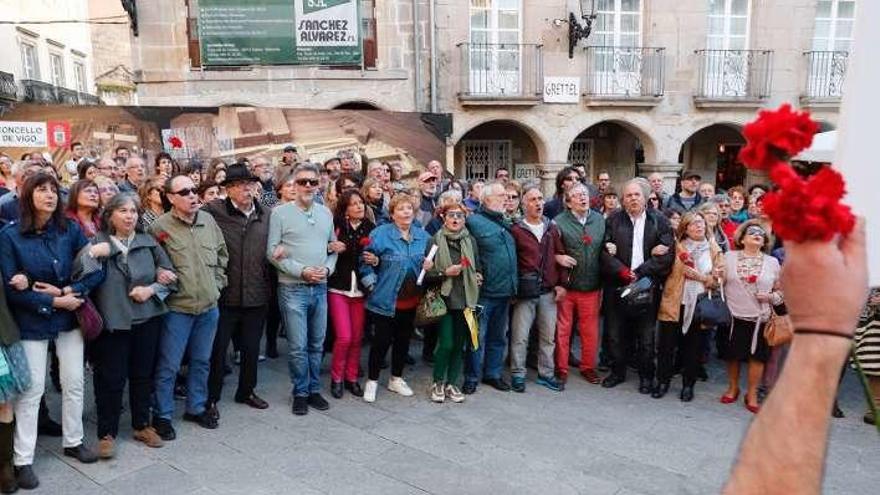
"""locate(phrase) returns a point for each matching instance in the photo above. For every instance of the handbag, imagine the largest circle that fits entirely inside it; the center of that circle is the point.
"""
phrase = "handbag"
(529, 286)
(778, 330)
(90, 322)
(638, 297)
(712, 312)
(431, 308)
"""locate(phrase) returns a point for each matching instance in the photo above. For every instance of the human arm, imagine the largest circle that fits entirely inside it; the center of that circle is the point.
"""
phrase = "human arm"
(784, 448)
(658, 267)
(285, 264)
(222, 258)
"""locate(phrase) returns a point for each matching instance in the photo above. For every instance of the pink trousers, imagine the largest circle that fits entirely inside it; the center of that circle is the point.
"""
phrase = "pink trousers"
(347, 315)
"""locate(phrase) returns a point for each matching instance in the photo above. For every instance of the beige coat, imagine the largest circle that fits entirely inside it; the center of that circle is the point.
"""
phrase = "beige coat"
(670, 304)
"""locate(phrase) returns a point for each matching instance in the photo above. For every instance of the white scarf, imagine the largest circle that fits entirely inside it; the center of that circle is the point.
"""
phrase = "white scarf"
(701, 255)
(123, 247)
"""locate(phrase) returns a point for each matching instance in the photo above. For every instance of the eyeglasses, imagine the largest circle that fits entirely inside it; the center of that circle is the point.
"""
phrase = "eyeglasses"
(455, 214)
(307, 182)
(185, 191)
(756, 231)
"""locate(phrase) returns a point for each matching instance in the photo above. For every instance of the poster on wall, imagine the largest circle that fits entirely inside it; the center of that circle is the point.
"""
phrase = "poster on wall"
(279, 32)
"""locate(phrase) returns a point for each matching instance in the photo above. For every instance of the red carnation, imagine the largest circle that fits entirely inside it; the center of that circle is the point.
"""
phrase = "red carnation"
(162, 236)
(776, 135)
(465, 262)
(175, 142)
(685, 258)
(364, 242)
(626, 274)
(587, 239)
(752, 279)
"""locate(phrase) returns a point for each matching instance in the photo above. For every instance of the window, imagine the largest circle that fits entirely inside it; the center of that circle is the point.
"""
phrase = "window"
(30, 64)
(495, 58)
(618, 23)
(618, 26)
(728, 25)
(482, 157)
(79, 72)
(833, 30)
(56, 64)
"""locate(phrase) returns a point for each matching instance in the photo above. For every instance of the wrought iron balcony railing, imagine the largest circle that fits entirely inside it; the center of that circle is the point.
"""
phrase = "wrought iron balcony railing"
(625, 72)
(8, 89)
(34, 91)
(501, 70)
(734, 74)
(826, 71)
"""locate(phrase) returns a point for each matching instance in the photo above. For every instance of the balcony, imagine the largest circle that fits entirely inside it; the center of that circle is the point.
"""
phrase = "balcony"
(40, 92)
(826, 71)
(501, 74)
(624, 76)
(733, 78)
(8, 89)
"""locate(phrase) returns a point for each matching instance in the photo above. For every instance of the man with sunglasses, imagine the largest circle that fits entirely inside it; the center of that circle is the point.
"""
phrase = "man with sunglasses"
(197, 249)
(428, 201)
(299, 236)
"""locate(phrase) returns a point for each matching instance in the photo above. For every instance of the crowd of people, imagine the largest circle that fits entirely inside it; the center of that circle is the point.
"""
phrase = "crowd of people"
(150, 273)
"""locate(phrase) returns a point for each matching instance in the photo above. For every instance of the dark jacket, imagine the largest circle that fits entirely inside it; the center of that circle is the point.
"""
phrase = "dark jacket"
(537, 256)
(347, 262)
(43, 257)
(497, 253)
(145, 255)
(248, 284)
(675, 203)
(8, 329)
(584, 244)
(619, 231)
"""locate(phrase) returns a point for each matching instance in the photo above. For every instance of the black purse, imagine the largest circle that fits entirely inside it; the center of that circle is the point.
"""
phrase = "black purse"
(712, 312)
(638, 297)
(529, 286)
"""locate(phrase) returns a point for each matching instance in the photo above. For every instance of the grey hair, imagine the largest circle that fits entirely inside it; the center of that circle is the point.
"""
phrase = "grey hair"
(489, 187)
(117, 202)
(450, 197)
(306, 167)
(531, 187)
(580, 186)
(133, 159)
(643, 184)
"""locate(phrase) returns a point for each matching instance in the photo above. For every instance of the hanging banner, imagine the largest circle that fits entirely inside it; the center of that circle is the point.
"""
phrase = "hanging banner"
(23, 134)
(59, 133)
(279, 32)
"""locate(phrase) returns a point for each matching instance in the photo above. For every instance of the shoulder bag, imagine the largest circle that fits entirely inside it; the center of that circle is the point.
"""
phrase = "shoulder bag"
(431, 308)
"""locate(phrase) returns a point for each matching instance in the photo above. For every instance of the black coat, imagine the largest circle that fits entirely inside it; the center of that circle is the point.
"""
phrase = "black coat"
(619, 231)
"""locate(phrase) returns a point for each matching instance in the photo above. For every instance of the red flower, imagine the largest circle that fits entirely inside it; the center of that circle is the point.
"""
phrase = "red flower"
(175, 142)
(626, 274)
(685, 258)
(465, 262)
(364, 242)
(587, 239)
(776, 135)
(752, 279)
(162, 236)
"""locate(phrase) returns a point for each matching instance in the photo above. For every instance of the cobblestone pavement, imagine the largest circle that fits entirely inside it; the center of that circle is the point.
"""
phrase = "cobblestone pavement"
(585, 440)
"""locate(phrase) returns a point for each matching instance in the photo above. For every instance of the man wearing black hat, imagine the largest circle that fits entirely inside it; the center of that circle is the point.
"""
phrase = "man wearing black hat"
(686, 199)
(243, 303)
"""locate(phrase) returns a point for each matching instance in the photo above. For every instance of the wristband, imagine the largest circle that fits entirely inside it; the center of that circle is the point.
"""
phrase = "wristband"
(830, 333)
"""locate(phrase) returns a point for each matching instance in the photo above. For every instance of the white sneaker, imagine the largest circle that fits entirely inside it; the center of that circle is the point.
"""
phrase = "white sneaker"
(396, 384)
(453, 393)
(370, 390)
(436, 392)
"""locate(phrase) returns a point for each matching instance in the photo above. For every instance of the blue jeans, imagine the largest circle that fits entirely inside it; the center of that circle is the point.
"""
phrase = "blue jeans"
(182, 332)
(493, 341)
(304, 310)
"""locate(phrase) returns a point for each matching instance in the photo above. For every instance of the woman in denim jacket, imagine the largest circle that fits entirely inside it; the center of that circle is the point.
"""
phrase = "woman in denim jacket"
(392, 262)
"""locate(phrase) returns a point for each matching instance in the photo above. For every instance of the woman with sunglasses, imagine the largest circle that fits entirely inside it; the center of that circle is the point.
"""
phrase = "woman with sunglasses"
(455, 270)
(654, 201)
(752, 290)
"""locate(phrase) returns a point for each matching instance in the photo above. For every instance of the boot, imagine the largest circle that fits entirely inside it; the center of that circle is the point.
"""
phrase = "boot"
(8, 482)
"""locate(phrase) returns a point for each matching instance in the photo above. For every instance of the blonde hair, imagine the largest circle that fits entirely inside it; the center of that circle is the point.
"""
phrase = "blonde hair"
(400, 198)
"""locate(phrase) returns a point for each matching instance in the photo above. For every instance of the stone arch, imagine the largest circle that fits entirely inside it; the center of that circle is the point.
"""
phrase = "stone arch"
(357, 105)
(711, 150)
(612, 145)
(488, 144)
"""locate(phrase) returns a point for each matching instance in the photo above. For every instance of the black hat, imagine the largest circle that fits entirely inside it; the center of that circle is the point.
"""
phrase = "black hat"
(238, 172)
(290, 148)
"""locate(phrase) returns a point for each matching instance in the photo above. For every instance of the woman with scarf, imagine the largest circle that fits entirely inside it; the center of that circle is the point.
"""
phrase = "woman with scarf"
(699, 264)
(455, 270)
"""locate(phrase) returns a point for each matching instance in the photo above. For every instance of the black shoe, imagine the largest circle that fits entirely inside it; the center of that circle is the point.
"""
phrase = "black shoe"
(300, 406)
(211, 408)
(180, 391)
(254, 401)
(498, 384)
(645, 386)
(81, 453)
(164, 429)
(318, 402)
(612, 381)
(410, 360)
(701, 373)
(687, 393)
(271, 352)
(336, 390)
(836, 411)
(354, 388)
(205, 420)
(661, 390)
(26, 477)
(49, 428)
(468, 388)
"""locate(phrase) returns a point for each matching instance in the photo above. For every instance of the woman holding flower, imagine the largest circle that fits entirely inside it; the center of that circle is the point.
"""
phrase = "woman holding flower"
(752, 289)
(345, 298)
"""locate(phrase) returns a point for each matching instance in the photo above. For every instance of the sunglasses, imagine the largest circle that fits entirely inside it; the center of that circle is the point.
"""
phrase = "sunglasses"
(307, 182)
(756, 231)
(185, 191)
(455, 214)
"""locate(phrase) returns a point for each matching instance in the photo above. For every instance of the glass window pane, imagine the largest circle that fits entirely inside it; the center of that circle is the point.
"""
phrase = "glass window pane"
(507, 4)
(716, 25)
(820, 44)
(738, 25)
(844, 29)
(629, 40)
(823, 8)
(737, 43)
(479, 19)
(843, 45)
(479, 37)
(629, 5)
(605, 22)
(739, 7)
(508, 20)
(605, 5)
(715, 43)
(716, 7)
(846, 10)
(510, 37)
(508, 61)
(822, 30)
(629, 23)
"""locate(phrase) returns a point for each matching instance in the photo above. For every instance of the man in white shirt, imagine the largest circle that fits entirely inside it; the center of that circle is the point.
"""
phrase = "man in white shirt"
(641, 245)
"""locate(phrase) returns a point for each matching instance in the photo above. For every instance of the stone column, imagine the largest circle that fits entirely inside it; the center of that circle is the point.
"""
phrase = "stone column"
(669, 171)
(548, 177)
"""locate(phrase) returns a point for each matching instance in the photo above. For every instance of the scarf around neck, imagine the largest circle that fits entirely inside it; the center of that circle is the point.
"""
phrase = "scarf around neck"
(443, 260)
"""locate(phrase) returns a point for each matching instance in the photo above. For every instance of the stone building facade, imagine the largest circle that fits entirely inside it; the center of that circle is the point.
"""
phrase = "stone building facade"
(111, 49)
(663, 85)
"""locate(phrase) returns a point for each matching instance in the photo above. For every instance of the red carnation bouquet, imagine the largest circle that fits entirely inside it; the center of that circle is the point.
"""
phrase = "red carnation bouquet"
(752, 279)
(801, 209)
(587, 239)
(364, 242)
(685, 258)
(465, 262)
(161, 236)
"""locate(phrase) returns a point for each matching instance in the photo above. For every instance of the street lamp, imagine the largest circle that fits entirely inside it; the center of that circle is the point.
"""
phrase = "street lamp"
(576, 31)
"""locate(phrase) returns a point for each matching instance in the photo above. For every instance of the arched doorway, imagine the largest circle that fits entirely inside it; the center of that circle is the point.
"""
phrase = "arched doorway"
(356, 105)
(495, 144)
(616, 148)
(712, 152)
